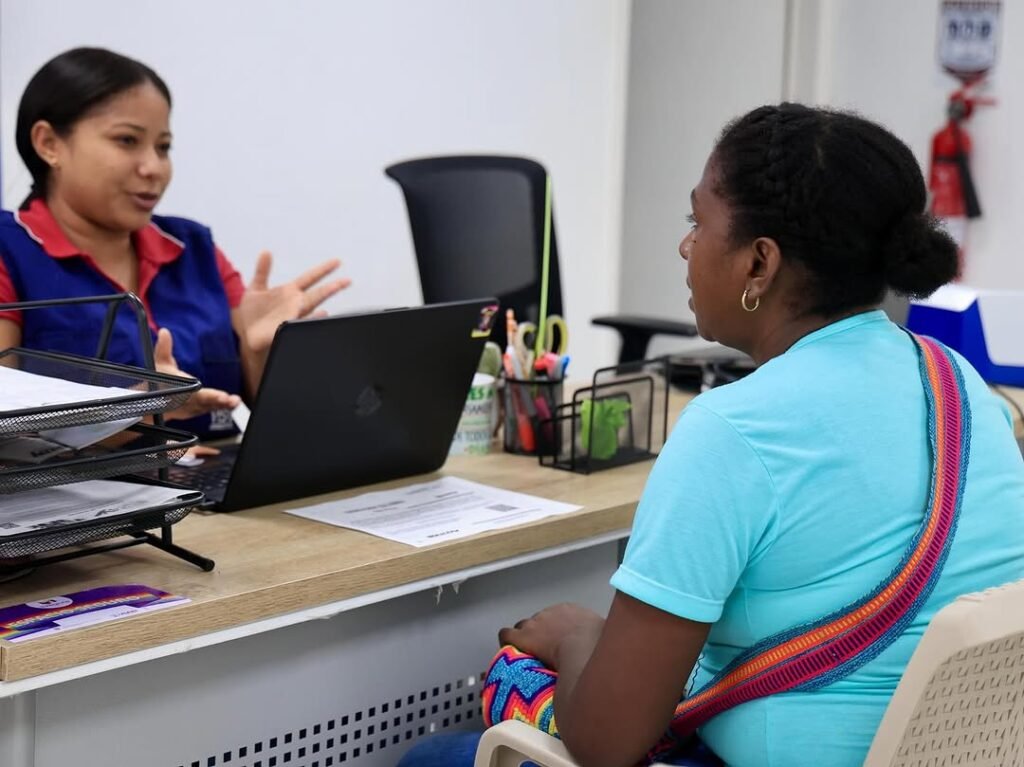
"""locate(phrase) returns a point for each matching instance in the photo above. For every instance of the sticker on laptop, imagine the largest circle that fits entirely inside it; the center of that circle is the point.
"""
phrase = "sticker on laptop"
(486, 322)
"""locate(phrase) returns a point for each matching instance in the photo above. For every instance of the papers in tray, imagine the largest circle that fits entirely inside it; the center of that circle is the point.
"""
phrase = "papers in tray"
(30, 391)
(54, 507)
(43, 445)
(53, 615)
(432, 512)
(24, 391)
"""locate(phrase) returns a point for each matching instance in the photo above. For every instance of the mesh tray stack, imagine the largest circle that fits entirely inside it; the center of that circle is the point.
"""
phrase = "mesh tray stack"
(139, 448)
(621, 418)
(134, 523)
(152, 392)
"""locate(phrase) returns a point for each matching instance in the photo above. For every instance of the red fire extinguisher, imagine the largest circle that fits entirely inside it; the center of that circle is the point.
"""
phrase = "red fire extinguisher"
(954, 199)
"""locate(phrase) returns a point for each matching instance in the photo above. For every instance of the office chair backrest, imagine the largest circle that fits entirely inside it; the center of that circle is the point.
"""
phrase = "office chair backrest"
(478, 229)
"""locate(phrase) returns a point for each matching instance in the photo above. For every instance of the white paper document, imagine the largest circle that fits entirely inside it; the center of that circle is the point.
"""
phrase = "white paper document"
(431, 512)
(23, 390)
(43, 445)
(77, 437)
(35, 510)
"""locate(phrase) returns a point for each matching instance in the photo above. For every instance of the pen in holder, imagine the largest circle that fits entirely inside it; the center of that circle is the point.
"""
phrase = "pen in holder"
(528, 407)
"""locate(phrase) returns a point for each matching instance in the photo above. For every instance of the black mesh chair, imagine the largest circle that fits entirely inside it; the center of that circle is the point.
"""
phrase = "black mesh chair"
(478, 230)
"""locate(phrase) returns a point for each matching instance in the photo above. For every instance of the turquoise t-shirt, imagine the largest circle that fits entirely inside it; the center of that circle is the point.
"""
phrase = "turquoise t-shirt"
(794, 492)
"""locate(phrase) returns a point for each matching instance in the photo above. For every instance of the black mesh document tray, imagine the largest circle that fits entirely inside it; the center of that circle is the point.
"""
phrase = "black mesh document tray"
(634, 399)
(136, 449)
(152, 392)
(134, 523)
(141, 447)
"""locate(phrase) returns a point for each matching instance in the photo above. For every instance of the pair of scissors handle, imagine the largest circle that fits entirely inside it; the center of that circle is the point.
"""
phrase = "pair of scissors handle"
(555, 340)
(523, 352)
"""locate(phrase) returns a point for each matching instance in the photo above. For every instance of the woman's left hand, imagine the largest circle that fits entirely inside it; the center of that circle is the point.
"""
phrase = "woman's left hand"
(202, 401)
(263, 308)
(543, 634)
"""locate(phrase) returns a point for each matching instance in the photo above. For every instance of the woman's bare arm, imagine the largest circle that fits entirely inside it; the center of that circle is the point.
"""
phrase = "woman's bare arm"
(619, 679)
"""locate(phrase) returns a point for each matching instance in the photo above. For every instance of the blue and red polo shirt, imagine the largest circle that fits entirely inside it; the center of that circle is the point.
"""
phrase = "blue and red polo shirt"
(185, 282)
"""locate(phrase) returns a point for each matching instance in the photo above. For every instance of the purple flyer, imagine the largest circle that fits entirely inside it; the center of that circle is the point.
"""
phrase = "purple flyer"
(52, 615)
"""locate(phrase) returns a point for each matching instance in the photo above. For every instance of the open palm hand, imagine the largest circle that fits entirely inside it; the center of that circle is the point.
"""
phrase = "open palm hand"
(264, 308)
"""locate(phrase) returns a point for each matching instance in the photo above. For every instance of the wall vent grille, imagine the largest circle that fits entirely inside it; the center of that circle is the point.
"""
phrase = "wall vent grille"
(357, 737)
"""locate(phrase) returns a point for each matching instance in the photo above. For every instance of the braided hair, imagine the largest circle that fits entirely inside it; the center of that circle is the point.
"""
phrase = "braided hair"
(842, 197)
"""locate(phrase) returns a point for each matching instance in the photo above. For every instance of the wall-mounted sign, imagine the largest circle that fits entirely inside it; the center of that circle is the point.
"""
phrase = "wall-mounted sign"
(968, 37)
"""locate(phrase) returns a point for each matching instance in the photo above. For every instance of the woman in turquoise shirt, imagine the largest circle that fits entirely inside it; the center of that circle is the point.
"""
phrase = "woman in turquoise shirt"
(795, 491)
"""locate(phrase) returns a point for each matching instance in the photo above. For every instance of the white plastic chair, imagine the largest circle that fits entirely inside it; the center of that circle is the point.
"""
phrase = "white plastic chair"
(509, 744)
(960, 701)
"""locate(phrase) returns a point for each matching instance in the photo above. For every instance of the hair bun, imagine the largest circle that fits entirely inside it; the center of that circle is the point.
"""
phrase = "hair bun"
(919, 256)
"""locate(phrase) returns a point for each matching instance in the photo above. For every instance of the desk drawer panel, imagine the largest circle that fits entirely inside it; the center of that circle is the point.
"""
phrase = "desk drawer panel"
(355, 690)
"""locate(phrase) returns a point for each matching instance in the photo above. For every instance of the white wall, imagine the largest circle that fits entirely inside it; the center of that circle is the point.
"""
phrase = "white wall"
(882, 62)
(693, 66)
(285, 114)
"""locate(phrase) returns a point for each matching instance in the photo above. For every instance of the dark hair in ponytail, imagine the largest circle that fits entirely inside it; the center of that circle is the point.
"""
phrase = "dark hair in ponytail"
(65, 89)
(841, 195)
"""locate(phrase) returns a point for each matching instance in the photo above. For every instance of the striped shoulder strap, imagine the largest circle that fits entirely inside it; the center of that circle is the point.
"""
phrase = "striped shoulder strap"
(814, 655)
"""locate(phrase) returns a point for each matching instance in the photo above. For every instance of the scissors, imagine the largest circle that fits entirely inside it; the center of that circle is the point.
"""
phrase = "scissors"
(555, 339)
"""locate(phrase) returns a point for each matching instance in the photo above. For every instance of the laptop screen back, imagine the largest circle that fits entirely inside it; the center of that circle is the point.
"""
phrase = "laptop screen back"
(355, 399)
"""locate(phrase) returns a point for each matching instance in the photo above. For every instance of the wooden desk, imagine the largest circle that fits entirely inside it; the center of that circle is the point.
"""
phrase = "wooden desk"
(269, 563)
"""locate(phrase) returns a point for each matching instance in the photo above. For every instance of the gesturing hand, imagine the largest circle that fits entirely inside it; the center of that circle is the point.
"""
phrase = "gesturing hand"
(204, 400)
(542, 634)
(264, 308)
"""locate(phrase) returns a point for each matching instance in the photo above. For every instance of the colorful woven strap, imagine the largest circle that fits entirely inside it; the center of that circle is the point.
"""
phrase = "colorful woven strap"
(811, 656)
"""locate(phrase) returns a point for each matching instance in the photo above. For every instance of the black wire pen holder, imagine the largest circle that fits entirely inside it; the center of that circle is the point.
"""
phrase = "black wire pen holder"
(621, 418)
(147, 446)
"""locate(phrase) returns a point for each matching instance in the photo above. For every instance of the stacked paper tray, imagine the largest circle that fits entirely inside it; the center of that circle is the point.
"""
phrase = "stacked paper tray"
(137, 449)
(42, 390)
(110, 516)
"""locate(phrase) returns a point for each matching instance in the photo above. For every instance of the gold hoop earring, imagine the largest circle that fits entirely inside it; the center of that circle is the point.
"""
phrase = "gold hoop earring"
(743, 302)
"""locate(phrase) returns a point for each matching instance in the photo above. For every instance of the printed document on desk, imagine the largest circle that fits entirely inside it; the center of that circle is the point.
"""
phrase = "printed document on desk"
(432, 512)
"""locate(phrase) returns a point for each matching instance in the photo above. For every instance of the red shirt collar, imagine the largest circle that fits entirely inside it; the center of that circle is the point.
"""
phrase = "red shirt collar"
(152, 243)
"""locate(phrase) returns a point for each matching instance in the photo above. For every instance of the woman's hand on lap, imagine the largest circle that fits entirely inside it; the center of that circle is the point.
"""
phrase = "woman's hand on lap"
(543, 634)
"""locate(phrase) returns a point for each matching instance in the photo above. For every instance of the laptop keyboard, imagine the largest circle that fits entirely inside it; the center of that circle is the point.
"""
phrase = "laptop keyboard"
(211, 476)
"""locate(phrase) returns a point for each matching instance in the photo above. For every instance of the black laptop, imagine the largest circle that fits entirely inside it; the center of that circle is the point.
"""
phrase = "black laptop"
(350, 400)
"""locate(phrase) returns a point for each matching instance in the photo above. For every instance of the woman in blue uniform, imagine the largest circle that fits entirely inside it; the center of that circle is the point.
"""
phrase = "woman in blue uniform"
(93, 129)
